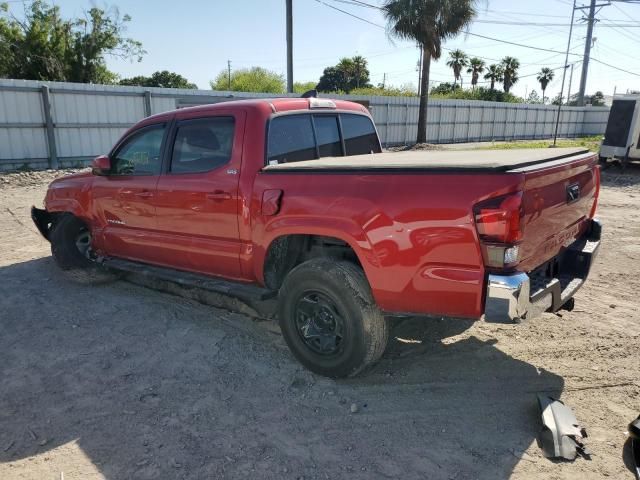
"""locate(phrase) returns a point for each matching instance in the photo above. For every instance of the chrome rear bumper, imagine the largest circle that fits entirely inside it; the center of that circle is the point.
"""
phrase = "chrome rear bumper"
(514, 297)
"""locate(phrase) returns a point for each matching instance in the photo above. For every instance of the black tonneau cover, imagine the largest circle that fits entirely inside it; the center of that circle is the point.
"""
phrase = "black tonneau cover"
(435, 160)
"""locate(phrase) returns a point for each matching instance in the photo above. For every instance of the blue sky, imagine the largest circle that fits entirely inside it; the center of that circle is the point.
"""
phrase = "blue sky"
(196, 38)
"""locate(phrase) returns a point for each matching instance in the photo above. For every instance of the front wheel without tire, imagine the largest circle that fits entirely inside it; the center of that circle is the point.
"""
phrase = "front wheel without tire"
(329, 319)
(71, 249)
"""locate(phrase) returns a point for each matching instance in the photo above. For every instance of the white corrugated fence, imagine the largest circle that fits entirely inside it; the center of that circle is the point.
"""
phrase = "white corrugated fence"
(53, 124)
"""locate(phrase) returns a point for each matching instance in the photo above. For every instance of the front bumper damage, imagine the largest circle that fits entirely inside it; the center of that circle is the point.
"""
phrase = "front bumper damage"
(515, 297)
(43, 221)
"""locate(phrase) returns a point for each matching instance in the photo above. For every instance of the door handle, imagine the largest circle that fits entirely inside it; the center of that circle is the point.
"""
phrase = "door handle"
(144, 194)
(219, 195)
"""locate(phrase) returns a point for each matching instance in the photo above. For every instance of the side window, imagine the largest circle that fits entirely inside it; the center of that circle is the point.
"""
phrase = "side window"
(140, 153)
(328, 135)
(202, 145)
(359, 135)
(291, 139)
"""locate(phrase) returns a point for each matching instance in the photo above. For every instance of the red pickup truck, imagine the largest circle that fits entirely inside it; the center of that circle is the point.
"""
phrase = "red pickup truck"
(292, 198)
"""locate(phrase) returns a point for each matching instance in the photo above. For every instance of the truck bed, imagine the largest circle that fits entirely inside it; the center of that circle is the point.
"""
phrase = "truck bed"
(454, 160)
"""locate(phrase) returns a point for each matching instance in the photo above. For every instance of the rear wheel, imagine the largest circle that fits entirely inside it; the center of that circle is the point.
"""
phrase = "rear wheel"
(71, 249)
(329, 319)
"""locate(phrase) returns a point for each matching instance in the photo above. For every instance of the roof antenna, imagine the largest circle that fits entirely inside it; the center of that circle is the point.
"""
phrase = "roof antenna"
(310, 94)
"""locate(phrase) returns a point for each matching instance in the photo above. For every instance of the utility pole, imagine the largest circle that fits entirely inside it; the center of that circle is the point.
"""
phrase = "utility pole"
(564, 73)
(289, 46)
(420, 71)
(570, 82)
(587, 52)
(229, 75)
(384, 80)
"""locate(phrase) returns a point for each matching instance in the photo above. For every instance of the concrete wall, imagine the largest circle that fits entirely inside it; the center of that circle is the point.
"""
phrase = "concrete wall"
(85, 120)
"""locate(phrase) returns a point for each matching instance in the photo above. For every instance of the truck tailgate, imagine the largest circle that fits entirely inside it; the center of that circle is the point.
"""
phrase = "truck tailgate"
(558, 201)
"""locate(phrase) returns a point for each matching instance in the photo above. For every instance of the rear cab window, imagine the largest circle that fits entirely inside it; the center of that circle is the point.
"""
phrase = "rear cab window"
(308, 136)
(202, 144)
(291, 139)
(360, 136)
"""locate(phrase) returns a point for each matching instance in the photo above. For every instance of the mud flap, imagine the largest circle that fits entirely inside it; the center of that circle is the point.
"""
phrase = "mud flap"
(561, 435)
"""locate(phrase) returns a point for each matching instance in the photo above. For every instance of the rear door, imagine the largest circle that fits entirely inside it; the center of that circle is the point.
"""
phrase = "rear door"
(124, 199)
(197, 202)
(558, 201)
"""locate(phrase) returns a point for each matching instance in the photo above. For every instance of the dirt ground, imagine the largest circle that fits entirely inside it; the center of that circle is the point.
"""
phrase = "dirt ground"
(121, 381)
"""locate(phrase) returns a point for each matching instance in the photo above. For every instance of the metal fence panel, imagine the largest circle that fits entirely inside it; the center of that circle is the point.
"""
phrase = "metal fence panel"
(86, 120)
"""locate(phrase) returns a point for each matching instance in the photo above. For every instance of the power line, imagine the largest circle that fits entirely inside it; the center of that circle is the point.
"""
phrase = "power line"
(350, 14)
(614, 67)
(563, 25)
(358, 4)
(551, 51)
(494, 39)
(624, 13)
(528, 14)
(516, 44)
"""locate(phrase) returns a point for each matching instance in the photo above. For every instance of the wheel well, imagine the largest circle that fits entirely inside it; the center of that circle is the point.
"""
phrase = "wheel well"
(289, 251)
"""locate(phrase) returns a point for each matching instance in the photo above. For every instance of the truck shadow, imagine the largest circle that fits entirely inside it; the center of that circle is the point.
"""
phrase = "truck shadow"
(149, 385)
(616, 176)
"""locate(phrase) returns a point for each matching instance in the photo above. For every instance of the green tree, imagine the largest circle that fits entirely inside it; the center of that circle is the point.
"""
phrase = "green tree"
(534, 98)
(494, 74)
(559, 99)
(480, 93)
(457, 61)
(510, 68)
(44, 46)
(302, 87)
(476, 67)
(597, 99)
(331, 80)
(254, 79)
(164, 79)
(445, 88)
(428, 23)
(348, 74)
(405, 91)
(545, 76)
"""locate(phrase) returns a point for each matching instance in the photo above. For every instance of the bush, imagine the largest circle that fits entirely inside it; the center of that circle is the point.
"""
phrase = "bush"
(481, 93)
(385, 92)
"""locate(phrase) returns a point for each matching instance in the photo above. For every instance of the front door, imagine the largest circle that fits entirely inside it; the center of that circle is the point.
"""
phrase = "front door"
(123, 200)
(197, 202)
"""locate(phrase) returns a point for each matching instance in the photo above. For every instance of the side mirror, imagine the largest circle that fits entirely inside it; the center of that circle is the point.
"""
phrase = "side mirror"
(101, 165)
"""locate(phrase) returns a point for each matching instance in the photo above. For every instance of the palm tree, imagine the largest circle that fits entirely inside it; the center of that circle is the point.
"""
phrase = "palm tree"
(544, 77)
(510, 68)
(428, 23)
(476, 67)
(495, 74)
(457, 61)
(360, 71)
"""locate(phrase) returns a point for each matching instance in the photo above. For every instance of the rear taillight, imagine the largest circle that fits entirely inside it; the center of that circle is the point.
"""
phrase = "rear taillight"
(500, 226)
(596, 193)
(500, 219)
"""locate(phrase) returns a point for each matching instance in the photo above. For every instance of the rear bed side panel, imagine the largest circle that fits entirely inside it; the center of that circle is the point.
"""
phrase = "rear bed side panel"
(553, 219)
(413, 233)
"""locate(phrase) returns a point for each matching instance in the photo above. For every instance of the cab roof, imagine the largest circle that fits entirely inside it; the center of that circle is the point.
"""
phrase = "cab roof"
(275, 105)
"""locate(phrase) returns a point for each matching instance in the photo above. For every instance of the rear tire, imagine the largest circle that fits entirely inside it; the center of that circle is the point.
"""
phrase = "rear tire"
(71, 249)
(329, 318)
